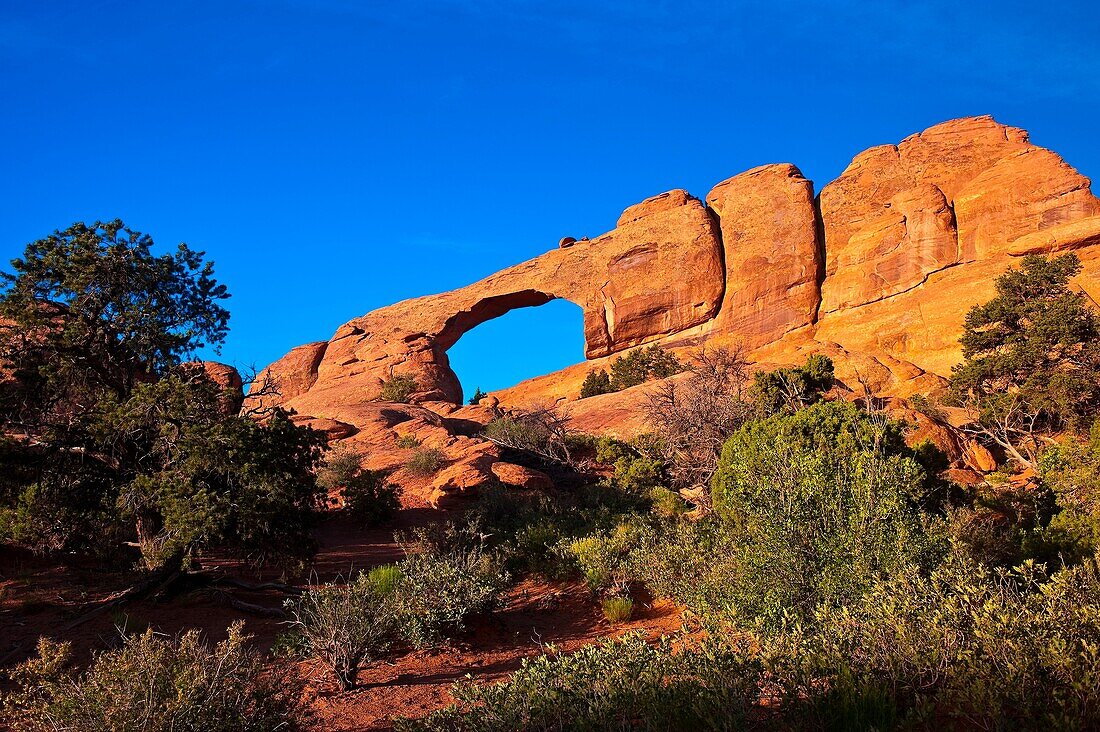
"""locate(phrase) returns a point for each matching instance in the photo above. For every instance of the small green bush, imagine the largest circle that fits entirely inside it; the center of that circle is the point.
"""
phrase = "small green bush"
(618, 684)
(371, 499)
(398, 389)
(426, 461)
(367, 496)
(617, 609)
(385, 580)
(604, 557)
(155, 684)
(437, 594)
(344, 625)
(667, 503)
(595, 383)
(408, 442)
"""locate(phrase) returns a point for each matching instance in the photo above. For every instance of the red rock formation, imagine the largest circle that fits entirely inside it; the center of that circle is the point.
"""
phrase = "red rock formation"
(773, 254)
(877, 273)
(657, 274)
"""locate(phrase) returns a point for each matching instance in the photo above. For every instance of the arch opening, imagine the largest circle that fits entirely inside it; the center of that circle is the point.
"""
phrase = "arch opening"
(518, 343)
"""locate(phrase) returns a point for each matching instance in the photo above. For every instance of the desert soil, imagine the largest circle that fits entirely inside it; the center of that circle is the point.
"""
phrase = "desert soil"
(40, 596)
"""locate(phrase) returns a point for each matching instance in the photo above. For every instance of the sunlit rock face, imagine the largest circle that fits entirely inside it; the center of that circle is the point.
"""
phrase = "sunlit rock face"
(877, 270)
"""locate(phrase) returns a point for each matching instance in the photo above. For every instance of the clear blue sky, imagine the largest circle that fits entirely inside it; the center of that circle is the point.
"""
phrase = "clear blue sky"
(334, 156)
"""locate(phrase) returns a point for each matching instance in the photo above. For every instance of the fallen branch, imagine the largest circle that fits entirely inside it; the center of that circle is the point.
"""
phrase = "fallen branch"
(247, 607)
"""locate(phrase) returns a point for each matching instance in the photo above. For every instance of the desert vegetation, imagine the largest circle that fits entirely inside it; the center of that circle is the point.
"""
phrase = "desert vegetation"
(636, 367)
(826, 570)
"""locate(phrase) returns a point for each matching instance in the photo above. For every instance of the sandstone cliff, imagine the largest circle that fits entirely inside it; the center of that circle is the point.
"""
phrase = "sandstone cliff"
(876, 271)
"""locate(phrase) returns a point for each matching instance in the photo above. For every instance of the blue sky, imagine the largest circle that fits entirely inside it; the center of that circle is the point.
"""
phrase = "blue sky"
(334, 156)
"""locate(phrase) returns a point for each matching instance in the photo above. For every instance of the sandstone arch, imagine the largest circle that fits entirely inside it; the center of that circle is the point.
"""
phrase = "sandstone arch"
(877, 270)
(659, 272)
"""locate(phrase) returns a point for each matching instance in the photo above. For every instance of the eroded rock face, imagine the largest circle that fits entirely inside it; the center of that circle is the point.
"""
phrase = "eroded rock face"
(658, 273)
(773, 252)
(877, 272)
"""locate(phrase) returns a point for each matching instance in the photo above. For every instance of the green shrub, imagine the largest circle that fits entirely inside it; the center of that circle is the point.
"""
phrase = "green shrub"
(477, 396)
(618, 684)
(370, 499)
(398, 389)
(963, 646)
(696, 564)
(604, 557)
(528, 530)
(408, 442)
(1072, 470)
(155, 684)
(426, 461)
(367, 496)
(344, 625)
(617, 609)
(609, 450)
(666, 503)
(385, 580)
(792, 388)
(438, 593)
(821, 503)
(595, 383)
(636, 471)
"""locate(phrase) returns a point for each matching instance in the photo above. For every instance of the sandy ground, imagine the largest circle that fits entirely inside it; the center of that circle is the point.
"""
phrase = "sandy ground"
(42, 596)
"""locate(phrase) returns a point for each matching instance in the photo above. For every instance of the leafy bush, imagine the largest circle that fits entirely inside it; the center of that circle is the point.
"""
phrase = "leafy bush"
(617, 609)
(408, 442)
(666, 503)
(426, 461)
(153, 683)
(697, 564)
(961, 645)
(527, 530)
(367, 496)
(624, 683)
(595, 383)
(604, 557)
(792, 388)
(437, 593)
(398, 389)
(346, 624)
(370, 499)
(1072, 470)
(635, 471)
(822, 502)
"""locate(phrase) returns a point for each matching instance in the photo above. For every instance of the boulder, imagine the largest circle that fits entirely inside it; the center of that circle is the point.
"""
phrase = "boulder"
(522, 477)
